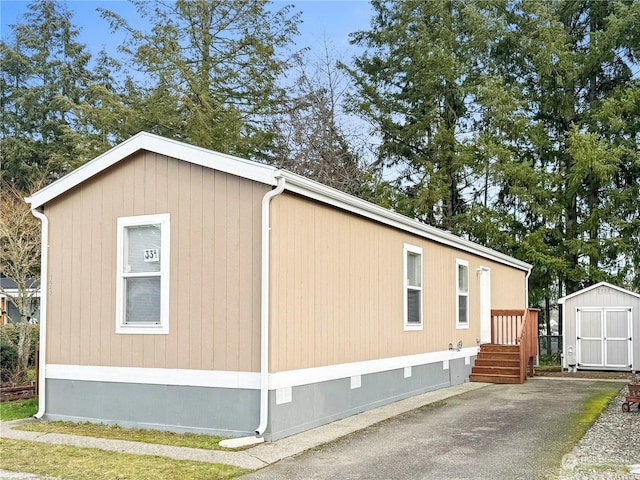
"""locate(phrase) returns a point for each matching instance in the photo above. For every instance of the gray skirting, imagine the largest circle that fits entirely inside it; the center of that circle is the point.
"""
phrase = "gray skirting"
(235, 412)
(213, 411)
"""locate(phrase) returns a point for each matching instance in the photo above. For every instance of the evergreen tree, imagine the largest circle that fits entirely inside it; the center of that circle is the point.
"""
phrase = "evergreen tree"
(513, 122)
(414, 84)
(210, 70)
(560, 170)
(44, 74)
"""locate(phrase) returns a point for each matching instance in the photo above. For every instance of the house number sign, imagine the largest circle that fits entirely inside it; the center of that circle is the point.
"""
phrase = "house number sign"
(152, 255)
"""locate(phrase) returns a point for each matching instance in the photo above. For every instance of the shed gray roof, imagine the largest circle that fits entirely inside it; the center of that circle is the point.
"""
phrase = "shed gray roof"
(593, 287)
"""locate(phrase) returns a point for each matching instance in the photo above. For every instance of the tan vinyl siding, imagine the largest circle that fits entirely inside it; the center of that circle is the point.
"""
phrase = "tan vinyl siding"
(215, 267)
(337, 289)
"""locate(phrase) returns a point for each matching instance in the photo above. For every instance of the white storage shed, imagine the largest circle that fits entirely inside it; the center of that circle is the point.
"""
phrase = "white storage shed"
(600, 329)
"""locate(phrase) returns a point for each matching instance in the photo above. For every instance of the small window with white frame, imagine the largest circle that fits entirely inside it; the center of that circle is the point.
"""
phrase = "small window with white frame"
(462, 293)
(412, 287)
(142, 290)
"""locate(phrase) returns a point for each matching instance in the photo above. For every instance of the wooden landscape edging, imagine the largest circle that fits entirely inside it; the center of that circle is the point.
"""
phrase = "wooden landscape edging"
(8, 394)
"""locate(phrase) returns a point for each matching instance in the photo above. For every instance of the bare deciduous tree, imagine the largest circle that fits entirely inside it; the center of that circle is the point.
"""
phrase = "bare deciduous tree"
(19, 262)
(313, 140)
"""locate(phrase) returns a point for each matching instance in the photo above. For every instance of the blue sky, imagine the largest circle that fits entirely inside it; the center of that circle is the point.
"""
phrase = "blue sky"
(330, 19)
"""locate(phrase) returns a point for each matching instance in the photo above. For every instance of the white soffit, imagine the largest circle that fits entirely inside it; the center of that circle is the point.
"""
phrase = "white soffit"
(162, 146)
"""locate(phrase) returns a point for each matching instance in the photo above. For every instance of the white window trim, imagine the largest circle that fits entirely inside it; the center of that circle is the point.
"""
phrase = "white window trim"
(413, 249)
(462, 325)
(163, 329)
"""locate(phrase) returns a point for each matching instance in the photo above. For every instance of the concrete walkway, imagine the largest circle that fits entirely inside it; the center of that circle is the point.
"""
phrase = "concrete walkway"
(253, 458)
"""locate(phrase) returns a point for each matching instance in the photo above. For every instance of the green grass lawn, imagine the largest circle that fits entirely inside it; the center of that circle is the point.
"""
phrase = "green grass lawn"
(116, 432)
(18, 409)
(75, 463)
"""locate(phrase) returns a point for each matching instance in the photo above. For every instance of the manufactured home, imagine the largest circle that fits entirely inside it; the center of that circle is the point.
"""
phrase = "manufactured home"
(9, 293)
(600, 324)
(188, 290)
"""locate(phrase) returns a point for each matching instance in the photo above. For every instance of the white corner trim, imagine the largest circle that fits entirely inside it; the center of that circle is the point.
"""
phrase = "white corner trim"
(407, 372)
(155, 376)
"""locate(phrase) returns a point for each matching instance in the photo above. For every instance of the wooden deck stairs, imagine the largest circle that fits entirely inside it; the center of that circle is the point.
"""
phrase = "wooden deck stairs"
(509, 358)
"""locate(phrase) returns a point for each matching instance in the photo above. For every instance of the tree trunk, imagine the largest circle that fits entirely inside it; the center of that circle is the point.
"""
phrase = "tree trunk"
(24, 348)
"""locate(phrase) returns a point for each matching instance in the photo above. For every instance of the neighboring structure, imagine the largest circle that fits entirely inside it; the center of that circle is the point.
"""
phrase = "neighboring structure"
(601, 325)
(9, 313)
(194, 291)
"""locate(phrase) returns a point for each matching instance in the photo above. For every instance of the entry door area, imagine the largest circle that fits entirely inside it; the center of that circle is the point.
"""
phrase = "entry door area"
(485, 304)
(604, 337)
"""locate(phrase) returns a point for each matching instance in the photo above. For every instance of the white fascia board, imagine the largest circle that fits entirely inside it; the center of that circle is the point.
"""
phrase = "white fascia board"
(309, 188)
(561, 300)
(155, 376)
(162, 146)
(307, 376)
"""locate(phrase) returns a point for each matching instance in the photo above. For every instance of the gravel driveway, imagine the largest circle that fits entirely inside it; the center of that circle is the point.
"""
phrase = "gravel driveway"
(501, 431)
(610, 445)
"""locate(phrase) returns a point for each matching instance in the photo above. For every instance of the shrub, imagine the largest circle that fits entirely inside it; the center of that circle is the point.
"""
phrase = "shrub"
(10, 333)
(8, 359)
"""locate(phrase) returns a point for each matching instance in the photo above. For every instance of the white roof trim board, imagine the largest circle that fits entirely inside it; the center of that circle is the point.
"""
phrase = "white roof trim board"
(268, 175)
(162, 146)
(309, 188)
(593, 287)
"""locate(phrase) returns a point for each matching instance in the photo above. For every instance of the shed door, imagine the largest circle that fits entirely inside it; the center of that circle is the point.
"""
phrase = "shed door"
(604, 337)
(617, 338)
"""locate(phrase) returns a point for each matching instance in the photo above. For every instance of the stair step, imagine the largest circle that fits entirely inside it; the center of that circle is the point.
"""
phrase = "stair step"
(490, 347)
(497, 362)
(493, 378)
(497, 370)
(499, 356)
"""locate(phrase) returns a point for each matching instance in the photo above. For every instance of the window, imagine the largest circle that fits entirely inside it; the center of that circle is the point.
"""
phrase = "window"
(412, 287)
(142, 291)
(462, 294)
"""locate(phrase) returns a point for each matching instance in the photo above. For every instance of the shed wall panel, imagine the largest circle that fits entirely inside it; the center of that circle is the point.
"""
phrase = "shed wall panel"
(337, 279)
(215, 273)
(600, 297)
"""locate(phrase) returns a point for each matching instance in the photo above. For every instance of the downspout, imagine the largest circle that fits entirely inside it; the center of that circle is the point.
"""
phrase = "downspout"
(44, 275)
(264, 308)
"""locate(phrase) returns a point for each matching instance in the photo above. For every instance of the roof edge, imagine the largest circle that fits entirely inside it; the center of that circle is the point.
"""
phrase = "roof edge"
(159, 145)
(561, 300)
(312, 189)
(265, 174)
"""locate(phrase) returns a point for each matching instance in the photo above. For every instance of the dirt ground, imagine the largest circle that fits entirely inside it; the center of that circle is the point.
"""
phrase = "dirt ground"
(587, 374)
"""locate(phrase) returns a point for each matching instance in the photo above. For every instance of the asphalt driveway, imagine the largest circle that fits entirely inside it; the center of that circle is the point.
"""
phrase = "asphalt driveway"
(497, 432)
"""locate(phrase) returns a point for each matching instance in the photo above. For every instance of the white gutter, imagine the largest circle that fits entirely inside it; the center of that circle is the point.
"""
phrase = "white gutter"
(330, 196)
(44, 274)
(264, 308)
